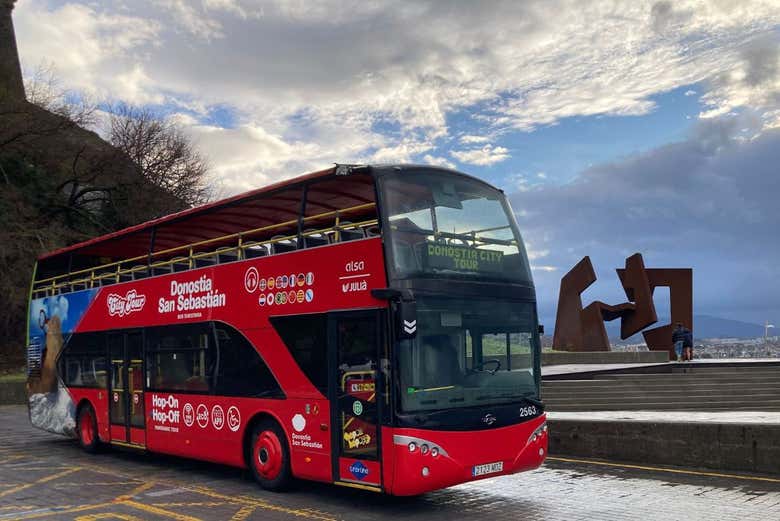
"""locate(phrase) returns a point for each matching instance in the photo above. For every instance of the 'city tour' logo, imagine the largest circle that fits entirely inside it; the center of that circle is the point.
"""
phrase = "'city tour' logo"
(121, 306)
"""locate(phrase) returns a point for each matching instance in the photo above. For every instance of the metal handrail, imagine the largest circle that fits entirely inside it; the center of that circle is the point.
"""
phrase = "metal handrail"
(52, 283)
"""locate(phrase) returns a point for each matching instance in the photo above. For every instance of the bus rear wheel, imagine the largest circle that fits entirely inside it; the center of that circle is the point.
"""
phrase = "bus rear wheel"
(86, 427)
(270, 456)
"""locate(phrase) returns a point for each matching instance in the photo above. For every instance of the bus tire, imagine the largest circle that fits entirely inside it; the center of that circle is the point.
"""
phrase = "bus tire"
(86, 429)
(269, 456)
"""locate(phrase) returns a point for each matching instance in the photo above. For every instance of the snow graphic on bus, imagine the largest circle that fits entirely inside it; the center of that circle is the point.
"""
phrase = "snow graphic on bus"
(52, 320)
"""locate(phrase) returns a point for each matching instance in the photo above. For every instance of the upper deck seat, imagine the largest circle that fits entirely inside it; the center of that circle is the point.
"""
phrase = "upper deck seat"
(347, 232)
(253, 250)
(312, 238)
(226, 254)
(162, 270)
(205, 260)
(180, 264)
(282, 245)
(139, 272)
(106, 278)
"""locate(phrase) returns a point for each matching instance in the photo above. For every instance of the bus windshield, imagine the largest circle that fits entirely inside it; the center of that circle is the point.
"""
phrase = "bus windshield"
(451, 225)
(467, 353)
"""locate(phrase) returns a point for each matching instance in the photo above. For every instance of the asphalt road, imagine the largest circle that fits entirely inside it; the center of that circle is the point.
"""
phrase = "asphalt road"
(43, 476)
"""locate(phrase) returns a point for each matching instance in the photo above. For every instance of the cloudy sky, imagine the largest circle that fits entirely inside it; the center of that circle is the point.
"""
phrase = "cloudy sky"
(614, 127)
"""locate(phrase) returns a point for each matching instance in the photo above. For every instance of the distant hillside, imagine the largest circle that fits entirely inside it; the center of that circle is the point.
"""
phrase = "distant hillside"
(704, 326)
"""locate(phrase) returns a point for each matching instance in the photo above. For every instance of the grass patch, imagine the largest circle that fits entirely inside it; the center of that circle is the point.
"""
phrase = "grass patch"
(13, 377)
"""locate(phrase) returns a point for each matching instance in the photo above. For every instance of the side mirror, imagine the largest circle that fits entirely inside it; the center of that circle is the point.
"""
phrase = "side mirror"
(541, 329)
(405, 307)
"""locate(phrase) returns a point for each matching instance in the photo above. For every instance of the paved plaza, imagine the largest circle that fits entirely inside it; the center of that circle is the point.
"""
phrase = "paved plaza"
(44, 476)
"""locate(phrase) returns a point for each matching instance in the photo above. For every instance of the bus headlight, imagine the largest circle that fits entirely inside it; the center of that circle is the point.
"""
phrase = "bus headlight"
(412, 446)
(537, 434)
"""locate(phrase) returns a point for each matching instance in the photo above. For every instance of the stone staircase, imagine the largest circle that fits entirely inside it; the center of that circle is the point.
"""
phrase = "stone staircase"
(673, 387)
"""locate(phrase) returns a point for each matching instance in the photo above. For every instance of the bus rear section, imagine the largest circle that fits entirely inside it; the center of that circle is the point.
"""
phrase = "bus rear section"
(371, 327)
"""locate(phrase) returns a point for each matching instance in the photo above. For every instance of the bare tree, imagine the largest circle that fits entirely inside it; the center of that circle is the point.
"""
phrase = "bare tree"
(45, 90)
(165, 154)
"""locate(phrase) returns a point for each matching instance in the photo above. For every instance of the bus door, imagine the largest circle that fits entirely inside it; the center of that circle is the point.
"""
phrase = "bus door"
(126, 393)
(355, 342)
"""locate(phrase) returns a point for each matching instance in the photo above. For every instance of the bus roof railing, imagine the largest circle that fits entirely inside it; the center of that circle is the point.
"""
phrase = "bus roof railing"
(97, 274)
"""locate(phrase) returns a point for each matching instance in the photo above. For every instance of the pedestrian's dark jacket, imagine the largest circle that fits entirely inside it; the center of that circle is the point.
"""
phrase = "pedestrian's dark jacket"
(684, 335)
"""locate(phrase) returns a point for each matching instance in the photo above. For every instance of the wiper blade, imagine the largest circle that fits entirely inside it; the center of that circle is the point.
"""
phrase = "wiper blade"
(533, 401)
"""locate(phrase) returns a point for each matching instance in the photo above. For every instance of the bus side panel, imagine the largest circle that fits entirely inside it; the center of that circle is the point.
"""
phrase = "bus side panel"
(51, 321)
(246, 293)
(213, 428)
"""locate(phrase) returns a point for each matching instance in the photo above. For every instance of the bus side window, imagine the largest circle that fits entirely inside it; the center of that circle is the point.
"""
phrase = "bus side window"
(306, 337)
(179, 358)
(83, 361)
(241, 371)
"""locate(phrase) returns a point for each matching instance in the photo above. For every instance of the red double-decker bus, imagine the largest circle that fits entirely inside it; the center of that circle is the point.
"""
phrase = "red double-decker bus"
(370, 326)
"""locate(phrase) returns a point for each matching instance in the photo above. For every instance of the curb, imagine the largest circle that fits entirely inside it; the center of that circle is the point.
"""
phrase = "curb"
(719, 446)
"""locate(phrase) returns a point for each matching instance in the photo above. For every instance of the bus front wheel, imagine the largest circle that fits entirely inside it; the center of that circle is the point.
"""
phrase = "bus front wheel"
(86, 427)
(270, 456)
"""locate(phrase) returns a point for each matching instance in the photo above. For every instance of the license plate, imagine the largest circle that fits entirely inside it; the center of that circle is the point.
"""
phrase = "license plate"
(487, 468)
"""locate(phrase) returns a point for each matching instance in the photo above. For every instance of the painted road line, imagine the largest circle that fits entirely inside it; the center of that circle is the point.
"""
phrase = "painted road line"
(205, 491)
(136, 491)
(662, 469)
(159, 511)
(194, 504)
(38, 482)
(243, 513)
(55, 511)
(263, 505)
(108, 515)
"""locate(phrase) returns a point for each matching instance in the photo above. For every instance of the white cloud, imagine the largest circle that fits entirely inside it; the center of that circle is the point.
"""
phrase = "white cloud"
(438, 161)
(707, 203)
(304, 71)
(471, 140)
(485, 156)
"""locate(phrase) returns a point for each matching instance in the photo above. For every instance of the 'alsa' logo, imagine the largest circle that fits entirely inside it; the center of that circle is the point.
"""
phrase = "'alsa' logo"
(359, 470)
(121, 306)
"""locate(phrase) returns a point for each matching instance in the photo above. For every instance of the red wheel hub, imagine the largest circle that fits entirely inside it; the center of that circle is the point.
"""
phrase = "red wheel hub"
(87, 428)
(267, 455)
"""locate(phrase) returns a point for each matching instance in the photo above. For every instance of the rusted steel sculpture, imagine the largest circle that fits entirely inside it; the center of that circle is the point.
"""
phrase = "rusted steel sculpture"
(582, 329)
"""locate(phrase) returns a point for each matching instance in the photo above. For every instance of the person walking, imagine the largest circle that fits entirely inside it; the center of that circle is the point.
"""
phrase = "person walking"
(682, 338)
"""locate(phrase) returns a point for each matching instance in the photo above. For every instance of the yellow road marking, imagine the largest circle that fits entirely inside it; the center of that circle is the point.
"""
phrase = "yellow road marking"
(205, 491)
(194, 504)
(10, 458)
(661, 469)
(159, 511)
(108, 515)
(82, 508)
(18, 507)
(262, 504)
(243, 513)
(96, 484)
(38, 482)
(137, 490)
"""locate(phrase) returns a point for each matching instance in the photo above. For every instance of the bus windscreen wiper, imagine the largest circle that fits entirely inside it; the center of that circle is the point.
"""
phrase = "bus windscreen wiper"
(533, 401)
